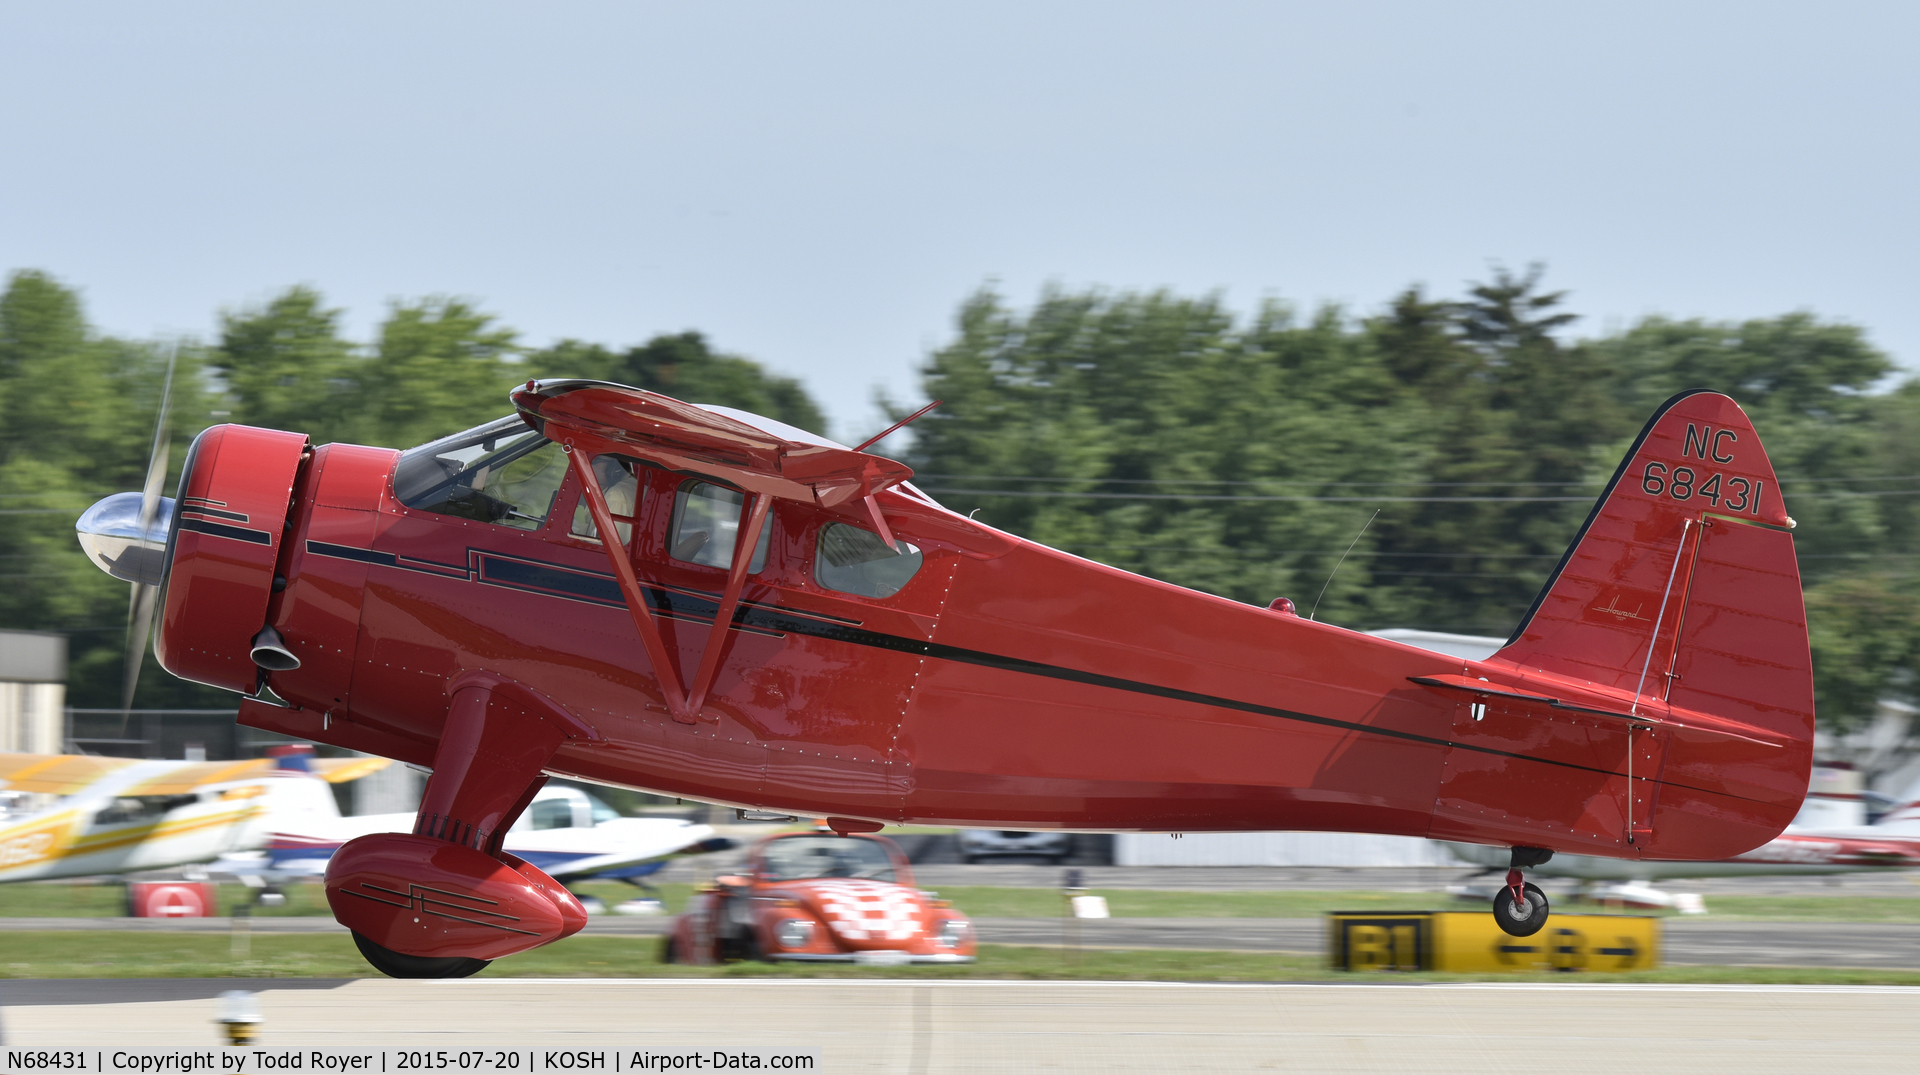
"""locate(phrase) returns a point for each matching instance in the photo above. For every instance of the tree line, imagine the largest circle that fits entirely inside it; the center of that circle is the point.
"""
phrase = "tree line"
(1441, 451)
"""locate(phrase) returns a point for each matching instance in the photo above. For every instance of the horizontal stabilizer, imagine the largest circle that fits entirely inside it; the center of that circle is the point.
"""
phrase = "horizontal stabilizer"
(1667, 718)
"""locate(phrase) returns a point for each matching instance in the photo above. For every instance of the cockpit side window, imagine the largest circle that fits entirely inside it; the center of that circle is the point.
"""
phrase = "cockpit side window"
(502, 473)
(130, 809)
(601, 812)
(551, 814)
(706, 522)
(622, 490)
(856, 561)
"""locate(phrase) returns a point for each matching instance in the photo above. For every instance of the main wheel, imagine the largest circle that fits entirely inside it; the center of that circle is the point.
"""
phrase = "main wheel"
(1524, 918)
(400, 965)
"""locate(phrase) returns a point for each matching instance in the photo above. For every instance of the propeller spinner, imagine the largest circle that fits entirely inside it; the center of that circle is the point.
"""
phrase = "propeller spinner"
(117, 543)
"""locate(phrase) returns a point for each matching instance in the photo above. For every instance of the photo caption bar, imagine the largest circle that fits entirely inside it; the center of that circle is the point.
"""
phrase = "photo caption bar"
(254, 1060)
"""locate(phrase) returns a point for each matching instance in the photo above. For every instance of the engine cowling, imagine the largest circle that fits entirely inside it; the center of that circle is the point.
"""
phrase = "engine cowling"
(229, 527)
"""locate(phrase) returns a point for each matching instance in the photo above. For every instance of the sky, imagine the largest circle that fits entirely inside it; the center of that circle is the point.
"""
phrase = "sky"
(819, 186)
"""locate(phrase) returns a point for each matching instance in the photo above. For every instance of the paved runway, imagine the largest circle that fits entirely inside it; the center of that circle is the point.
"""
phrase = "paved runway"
(1688, 941)
(932, 1028)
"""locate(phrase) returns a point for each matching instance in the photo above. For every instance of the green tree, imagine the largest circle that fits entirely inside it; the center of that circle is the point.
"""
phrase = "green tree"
(1509, 422)
(439, 366)
(1865, 635)
(1805, 383)
(77, 415)
(1147, 432)
(285, 366)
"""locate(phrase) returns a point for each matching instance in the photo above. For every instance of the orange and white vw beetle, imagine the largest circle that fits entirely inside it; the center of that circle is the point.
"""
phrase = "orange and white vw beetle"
(820, 897)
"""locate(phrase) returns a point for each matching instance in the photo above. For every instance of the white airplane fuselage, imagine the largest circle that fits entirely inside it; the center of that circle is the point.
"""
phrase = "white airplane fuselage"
(104, 830)
(566, 832)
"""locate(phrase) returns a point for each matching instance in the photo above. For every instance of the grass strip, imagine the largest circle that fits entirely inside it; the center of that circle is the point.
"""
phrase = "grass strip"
(95, 954)
(62, 899)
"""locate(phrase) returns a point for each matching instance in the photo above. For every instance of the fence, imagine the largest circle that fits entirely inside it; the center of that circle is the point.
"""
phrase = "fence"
(202, 734)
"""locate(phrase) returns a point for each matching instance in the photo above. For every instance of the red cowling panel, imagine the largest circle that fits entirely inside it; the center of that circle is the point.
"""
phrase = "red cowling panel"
(319, 614)
(229, 530)
(426, 897)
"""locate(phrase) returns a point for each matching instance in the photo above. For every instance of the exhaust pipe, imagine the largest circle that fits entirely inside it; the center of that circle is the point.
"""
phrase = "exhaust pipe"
(271, 653)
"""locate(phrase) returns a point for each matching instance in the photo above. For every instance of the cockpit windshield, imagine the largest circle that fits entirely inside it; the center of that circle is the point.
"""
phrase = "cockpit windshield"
(502, 473)
(797, 858)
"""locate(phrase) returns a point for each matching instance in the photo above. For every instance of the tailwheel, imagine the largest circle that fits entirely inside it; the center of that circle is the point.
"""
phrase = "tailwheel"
(400, 965)
(1520, 908)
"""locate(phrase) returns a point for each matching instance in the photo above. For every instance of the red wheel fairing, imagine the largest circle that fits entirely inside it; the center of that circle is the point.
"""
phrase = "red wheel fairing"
(425, 897)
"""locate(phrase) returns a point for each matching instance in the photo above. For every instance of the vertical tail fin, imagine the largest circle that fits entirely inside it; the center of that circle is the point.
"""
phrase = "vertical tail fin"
(1682, 591)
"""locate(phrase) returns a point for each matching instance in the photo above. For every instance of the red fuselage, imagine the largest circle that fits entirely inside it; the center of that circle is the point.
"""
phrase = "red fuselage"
(1006, 684)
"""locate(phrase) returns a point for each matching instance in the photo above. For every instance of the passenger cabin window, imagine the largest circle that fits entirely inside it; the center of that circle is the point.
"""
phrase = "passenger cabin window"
(551, 814)
(706, 522)
(856, 561)
(502, 473)
(622, 491)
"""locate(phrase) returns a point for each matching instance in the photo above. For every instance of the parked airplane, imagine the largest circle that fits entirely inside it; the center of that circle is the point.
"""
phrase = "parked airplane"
(118, 815)
(570, 834)
(540, 595)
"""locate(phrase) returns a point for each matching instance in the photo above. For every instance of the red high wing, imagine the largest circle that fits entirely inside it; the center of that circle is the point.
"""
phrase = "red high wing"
(681, 436)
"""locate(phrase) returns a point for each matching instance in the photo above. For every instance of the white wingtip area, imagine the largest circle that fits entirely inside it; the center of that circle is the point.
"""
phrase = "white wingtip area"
(768, 425)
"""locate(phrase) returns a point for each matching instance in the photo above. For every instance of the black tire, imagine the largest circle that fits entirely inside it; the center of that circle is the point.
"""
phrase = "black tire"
(669, 951)
(742, 949)
(400, 965)
(1511, 918)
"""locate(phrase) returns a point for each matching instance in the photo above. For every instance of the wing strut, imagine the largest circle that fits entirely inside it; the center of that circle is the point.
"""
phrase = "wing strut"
(755, 517)
(684, 702)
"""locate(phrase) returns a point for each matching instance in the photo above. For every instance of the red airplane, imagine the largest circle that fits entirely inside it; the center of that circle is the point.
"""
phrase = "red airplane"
(886, 660)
